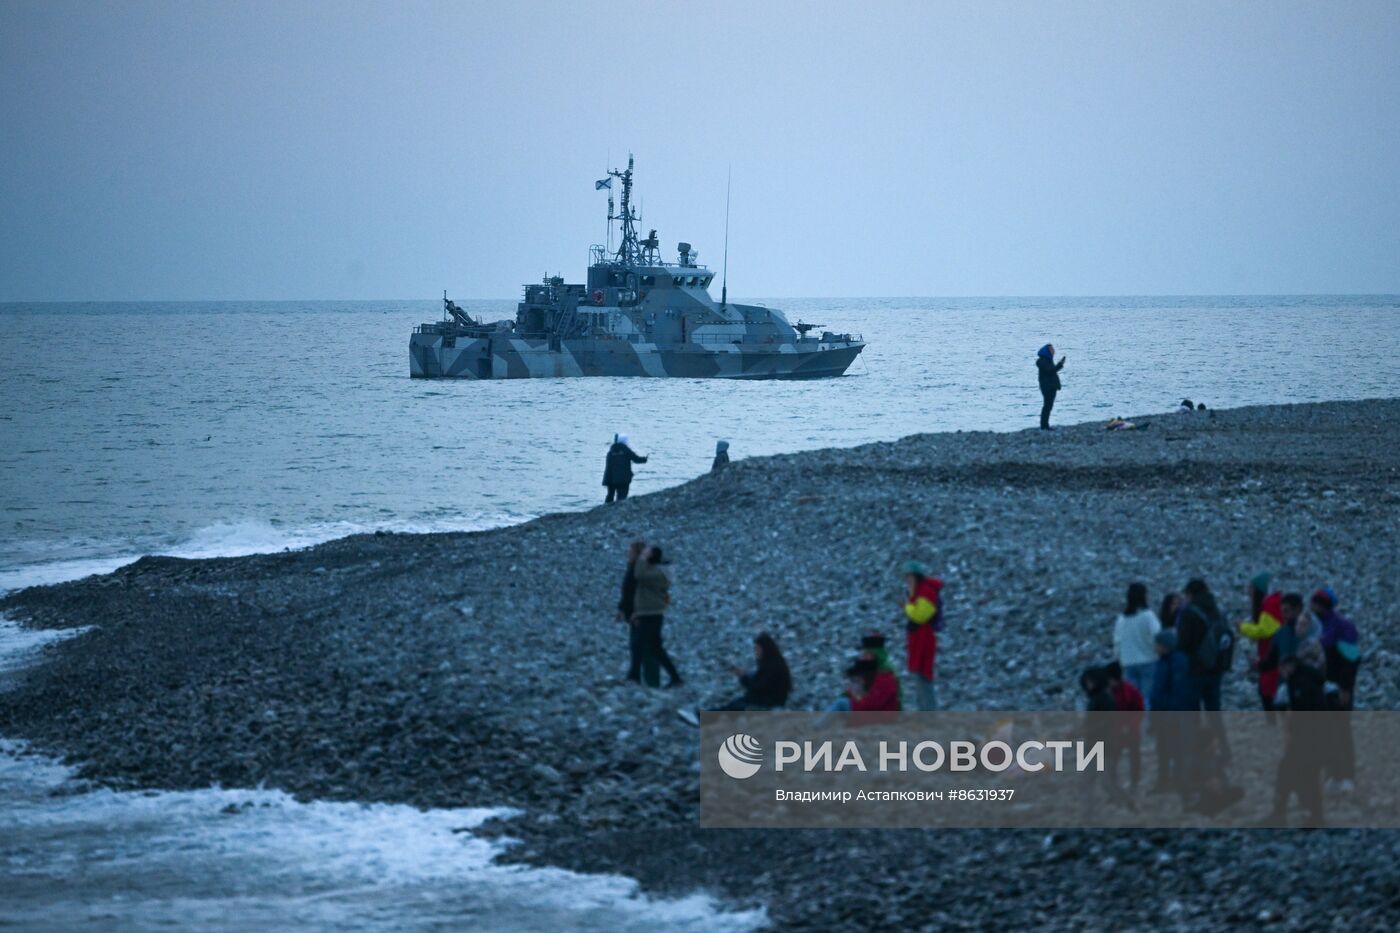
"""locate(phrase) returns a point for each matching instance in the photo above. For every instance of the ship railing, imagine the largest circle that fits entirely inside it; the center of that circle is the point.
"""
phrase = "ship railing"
(762, 339)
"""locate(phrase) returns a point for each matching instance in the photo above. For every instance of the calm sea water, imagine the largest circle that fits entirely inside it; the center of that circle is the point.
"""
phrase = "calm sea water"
(225, 428)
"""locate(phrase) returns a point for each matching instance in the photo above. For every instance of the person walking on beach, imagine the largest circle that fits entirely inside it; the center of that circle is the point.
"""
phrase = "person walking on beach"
(1265, 619)
(1133, 634)
(721, 456)
(617, 473)
(1049, 374)
(923, 607)
(626, 606)
(652, 598)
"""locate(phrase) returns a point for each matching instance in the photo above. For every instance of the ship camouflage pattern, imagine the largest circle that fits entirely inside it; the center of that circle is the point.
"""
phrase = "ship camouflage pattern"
(636, 316)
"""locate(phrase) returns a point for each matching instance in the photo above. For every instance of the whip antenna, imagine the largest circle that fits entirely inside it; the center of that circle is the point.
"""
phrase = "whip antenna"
(724, 282)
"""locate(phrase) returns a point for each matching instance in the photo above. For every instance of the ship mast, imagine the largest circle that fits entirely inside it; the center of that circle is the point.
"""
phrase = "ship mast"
(628, 253)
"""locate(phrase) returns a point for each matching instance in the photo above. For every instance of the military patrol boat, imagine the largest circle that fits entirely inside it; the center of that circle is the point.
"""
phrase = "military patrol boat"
(637, 316)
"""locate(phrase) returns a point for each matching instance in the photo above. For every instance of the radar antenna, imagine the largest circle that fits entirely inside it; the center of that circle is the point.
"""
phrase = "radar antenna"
(628, 253)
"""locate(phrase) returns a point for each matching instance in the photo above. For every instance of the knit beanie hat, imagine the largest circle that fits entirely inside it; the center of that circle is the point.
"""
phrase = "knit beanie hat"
(1260, 582)
(1326, 594)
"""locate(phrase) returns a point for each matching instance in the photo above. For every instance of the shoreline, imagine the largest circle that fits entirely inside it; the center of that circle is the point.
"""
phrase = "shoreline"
(484, 668)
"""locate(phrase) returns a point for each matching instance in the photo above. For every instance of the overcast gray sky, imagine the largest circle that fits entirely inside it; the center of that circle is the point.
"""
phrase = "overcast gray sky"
(390, 150)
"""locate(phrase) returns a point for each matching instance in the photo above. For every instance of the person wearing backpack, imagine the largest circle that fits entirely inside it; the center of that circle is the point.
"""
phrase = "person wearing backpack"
(923, 612)
(1207, 640)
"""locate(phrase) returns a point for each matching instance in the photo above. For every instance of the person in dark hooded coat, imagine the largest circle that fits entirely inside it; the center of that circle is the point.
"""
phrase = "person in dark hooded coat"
(721, 456)
(1049, 373)
(617, 474)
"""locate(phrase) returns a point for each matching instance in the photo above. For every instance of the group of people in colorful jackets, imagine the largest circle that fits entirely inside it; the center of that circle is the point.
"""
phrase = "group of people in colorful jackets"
(1305, 657)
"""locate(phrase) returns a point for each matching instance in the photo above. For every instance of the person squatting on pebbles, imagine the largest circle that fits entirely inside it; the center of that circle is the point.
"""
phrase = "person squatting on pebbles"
(1306, 659)
(651, 599)
(617, 471)
(869, 689)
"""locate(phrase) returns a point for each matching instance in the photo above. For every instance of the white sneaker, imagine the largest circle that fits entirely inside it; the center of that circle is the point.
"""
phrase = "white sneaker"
(688, 715)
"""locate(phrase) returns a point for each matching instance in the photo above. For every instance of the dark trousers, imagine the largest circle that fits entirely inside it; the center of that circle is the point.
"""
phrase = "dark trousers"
(1300, 773)
(1208, 687)
(1046, 406)
(1167, 730)
(653, 651)
(1341, 745)
(1131, 747)
(617, 492)
(634, 651)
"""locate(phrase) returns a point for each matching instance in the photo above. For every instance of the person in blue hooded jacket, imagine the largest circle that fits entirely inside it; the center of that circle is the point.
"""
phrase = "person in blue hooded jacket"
(1173, 695)
(1049, 372)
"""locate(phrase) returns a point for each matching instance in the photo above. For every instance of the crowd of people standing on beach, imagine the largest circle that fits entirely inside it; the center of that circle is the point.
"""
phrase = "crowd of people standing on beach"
(1304, 656)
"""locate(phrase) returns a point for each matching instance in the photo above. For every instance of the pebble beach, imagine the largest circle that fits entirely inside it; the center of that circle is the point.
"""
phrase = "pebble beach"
(485, 668)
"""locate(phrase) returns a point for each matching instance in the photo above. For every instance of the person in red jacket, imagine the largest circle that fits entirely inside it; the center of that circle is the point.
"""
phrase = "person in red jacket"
(923, 608)
(1265, 618)
(1131, 710)
(870, 688)
(873, 690)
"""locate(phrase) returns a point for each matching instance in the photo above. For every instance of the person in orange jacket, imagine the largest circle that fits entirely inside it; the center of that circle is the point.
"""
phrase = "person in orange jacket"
(1265, 617)
(923, 612)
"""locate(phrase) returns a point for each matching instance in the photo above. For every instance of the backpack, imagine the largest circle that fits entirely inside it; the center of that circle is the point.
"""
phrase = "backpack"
(1216, 652)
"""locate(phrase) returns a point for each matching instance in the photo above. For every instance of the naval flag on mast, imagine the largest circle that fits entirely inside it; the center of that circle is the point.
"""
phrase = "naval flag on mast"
(602, 183)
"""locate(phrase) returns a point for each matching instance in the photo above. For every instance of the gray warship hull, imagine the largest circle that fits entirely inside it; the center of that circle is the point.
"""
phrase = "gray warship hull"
(520, 358)
(636, 315)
